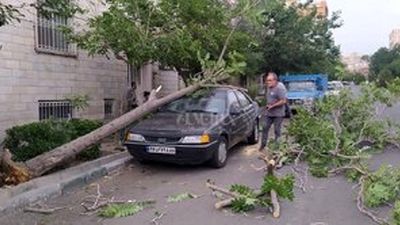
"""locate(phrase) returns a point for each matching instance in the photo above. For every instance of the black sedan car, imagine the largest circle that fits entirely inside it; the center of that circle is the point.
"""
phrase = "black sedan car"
(197, 128)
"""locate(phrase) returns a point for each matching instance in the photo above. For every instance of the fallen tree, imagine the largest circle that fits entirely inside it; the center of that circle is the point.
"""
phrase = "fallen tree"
(213, 71)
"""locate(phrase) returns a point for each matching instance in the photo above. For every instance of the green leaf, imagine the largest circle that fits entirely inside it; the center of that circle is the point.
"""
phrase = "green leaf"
(121, 210)
(181, 197)
(283, 186)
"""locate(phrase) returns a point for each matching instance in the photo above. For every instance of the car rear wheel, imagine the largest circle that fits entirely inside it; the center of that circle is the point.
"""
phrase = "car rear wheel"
(255, 135)
(221, 154)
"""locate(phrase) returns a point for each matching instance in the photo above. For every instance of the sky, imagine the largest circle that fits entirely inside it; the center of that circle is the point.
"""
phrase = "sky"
(366, 24)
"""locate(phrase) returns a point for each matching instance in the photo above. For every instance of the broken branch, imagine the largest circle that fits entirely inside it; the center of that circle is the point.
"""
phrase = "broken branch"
(42, 210)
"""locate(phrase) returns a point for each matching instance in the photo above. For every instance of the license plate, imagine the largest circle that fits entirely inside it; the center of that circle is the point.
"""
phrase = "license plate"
(161, 150)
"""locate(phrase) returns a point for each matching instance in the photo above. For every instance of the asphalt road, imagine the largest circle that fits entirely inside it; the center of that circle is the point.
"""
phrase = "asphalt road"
(328, 201)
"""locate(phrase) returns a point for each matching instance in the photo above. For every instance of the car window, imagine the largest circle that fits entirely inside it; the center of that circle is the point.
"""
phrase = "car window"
(200, 101)
(232, 98)
(243, 100)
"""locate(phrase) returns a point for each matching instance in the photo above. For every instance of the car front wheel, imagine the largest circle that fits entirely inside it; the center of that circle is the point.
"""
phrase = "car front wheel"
(221, 154)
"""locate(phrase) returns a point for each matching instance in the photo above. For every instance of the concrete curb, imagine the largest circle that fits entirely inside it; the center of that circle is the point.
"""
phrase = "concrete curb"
(55, 184)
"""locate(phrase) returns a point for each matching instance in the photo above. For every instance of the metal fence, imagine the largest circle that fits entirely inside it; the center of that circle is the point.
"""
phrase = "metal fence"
(49, 38)
(55, 109)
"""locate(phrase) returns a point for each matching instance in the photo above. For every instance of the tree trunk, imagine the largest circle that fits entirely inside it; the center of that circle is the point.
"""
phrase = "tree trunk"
(47, 161)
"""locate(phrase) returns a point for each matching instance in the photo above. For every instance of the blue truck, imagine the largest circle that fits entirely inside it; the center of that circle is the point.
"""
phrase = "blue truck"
(304, 89)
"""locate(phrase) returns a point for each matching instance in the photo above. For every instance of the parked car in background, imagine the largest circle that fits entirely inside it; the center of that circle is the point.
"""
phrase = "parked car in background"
(197, 128)
(347, 83)
(334, 88)
(303, 90)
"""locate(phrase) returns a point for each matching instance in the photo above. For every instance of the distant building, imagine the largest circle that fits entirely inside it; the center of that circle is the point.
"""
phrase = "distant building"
(322, 8)
(355, 63)
(320, 5)
(394, 38)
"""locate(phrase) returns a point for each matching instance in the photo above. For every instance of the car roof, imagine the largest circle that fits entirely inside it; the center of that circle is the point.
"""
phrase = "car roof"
(226, 87)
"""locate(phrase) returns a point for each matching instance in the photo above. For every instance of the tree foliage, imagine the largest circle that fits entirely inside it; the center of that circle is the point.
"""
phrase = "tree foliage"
(8, 13)
(383, 186)
(175, 33)
(297, 40)
(396, 213)
(339, 126)
(248, 198)
(46, 8)
(385, 65)
(343, 132)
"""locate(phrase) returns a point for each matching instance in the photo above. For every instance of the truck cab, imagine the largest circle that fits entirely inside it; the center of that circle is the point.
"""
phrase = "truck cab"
(304, 89)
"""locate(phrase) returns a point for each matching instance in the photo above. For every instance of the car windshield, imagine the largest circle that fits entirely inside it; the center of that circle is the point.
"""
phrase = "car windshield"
(301, 86)
(202, 101)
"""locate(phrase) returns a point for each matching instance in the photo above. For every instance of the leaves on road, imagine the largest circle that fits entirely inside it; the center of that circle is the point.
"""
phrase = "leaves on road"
(181, 197)
(123, 210)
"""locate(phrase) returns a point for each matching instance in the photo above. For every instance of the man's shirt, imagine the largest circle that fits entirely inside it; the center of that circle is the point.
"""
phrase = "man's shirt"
(274, 95)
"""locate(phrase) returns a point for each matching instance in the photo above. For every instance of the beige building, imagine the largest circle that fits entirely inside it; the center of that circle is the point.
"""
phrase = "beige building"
(356, 64)
(320, 5)
(394, 38)
(322, 8)
(40, 71)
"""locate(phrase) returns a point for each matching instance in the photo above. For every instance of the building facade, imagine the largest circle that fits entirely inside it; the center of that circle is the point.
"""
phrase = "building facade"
(41, 73)
(394, 38)
(356, 64)
(322, 8)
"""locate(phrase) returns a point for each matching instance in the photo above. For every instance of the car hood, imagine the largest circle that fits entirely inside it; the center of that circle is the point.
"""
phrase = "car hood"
(302, 94)
(176, 123)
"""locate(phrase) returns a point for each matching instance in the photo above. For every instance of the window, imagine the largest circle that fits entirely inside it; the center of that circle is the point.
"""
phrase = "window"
(108, 108)
(243, 100)
(232, 99)
(49, 37)
(55, 109)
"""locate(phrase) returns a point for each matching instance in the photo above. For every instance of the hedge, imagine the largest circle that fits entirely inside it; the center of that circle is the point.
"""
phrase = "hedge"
(30, 140)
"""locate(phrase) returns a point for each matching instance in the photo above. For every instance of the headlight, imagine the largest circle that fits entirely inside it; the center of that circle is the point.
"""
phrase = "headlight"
(135, 137)
(201, 139)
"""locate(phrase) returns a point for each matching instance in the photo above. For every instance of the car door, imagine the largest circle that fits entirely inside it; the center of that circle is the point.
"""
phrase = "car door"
(233, 121)
(247, 117)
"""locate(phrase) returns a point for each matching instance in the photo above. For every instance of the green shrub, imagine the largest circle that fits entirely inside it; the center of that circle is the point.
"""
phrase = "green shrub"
(28, 141)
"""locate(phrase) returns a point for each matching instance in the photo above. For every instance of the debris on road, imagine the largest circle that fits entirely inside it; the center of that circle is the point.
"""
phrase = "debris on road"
(242, 198)
(157, 218)
(42, 209)
(116, 210)
(111, 208)
(181, 197)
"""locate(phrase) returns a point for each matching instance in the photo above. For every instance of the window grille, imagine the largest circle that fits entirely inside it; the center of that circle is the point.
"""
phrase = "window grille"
(49, 37)
(55, 109)
(108, 108)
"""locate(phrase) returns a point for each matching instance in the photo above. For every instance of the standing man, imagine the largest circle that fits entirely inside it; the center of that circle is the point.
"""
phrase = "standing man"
(275, 108)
